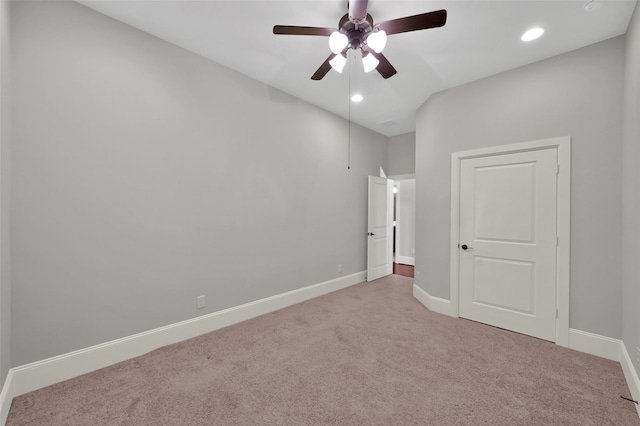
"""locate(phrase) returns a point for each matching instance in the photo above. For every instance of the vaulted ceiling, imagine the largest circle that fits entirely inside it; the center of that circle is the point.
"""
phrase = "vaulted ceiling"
(480, 38)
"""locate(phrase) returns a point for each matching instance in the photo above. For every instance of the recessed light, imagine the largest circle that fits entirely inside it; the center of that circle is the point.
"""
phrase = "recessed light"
(532, 34)
(357, 98)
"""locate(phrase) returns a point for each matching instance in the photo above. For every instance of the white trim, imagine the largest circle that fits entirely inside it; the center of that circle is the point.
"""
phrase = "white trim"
(434, 304)
(563, 272)
(40, 374)
(581, 341)
(454, 251)
(609, 348)
(406, 260)
(403, 177)
(6, 397)
(43, 373)
(630, 373)
(563, 146)
(594, 344)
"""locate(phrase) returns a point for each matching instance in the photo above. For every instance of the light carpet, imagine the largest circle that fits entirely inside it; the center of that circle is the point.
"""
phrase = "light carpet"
(366, 355)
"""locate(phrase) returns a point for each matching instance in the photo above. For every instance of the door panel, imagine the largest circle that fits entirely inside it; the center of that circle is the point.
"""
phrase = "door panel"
(505, 203)
(508, 222)
(504, 284)
(379, 239)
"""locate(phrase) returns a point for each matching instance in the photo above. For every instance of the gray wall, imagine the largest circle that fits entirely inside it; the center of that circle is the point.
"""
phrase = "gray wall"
(144, 176)
(631, 193)
(402, 154)
(5, 151)
(577, 94)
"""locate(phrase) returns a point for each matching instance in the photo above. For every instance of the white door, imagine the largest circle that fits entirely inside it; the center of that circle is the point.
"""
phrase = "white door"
(380, 228)
(507, 275)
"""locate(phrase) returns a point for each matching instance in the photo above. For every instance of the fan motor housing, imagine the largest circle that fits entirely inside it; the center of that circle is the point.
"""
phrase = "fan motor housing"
(356, 33)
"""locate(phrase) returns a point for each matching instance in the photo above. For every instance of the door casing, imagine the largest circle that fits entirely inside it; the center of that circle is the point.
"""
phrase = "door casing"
(563, 146)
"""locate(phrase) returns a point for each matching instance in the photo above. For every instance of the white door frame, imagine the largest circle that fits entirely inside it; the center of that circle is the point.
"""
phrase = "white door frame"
(563, 146)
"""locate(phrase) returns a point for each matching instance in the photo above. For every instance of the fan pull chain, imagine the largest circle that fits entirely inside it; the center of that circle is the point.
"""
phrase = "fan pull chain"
(349, 101)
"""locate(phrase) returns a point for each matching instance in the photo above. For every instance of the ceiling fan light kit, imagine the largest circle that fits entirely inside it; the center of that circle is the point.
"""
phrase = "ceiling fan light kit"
(377, 40)
(356, 30)
(337, 42)
(369, 62)
(338, 62)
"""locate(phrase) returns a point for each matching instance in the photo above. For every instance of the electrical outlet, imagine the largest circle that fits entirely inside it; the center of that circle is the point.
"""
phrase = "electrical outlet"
(200, 302)
(413, 251)
(417, 278)
(339, 268)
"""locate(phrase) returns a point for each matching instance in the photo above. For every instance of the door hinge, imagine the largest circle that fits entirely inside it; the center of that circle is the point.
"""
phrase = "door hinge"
(557, 241)
(556, 313)
(558, 169)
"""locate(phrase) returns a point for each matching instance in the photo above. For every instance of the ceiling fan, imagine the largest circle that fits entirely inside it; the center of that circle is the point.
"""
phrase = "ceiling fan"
(356, 30)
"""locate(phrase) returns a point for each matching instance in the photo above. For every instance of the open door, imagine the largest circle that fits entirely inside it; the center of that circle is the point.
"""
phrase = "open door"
(380, 228)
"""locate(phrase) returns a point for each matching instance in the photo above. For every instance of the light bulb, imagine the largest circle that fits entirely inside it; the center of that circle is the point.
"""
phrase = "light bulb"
(369, 62)
(377, 40)
(337, 63)
(337, 42)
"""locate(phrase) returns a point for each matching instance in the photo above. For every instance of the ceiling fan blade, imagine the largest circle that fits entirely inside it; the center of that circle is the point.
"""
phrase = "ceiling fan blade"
(296, 30)
(324, 68)
(385, 68)
(358, 10)
(415, 22)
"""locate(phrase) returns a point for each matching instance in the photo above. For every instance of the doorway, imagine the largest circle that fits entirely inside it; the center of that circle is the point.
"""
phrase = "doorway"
(404, 208)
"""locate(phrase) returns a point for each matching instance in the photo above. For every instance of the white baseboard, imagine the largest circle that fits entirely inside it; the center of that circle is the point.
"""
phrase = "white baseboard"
(595, 344)
(630, 374)
(406, 260)
(6, 397)
(582, 341)
(613, 349)
(434, 304)
(30, 377)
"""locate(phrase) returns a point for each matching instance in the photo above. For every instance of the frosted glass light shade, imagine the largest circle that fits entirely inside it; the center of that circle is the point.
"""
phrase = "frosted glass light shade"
(337, 42)
(377, 41)
(370, 62)
(337, 63)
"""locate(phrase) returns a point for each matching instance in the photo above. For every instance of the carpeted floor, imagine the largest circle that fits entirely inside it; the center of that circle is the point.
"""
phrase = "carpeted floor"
(366, 355)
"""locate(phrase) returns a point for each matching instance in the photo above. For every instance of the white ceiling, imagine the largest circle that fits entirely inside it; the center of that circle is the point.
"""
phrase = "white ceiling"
(481, 38)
